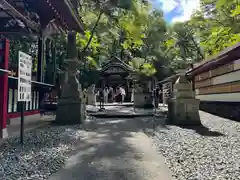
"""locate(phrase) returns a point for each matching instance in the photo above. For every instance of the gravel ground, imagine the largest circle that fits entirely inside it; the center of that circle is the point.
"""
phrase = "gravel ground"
(202, 154)
(44, 152)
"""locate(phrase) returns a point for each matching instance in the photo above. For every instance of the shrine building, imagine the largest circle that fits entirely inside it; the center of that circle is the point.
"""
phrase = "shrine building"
(117, 73)
(39, 20)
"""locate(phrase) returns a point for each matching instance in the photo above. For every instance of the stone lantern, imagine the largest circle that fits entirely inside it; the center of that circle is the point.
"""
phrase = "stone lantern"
(183, 107)
(69, 108)
(142, 94)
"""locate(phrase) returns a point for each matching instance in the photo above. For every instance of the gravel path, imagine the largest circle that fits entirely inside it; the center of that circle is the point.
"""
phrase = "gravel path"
(44, 152)
(210, 153)
(115, 149)
(108, 149)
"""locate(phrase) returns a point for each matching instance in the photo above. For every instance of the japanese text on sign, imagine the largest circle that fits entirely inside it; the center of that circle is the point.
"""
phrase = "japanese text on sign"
(24, 76)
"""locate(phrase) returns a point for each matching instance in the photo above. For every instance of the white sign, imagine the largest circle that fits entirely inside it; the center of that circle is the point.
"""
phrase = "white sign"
(24, 76)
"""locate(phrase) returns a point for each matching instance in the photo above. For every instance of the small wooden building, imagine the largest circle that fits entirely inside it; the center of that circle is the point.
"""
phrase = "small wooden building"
(117, 73)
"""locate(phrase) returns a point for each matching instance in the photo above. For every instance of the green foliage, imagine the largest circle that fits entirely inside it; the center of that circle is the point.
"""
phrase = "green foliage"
(130, 30)
(139, 35)
(219, 39)
(24, 44)
(214, 27)
(217, 25)
(182, 47)
(82, 41)
(147, 69)
(136, 63)
(142, 67)
(133, 24)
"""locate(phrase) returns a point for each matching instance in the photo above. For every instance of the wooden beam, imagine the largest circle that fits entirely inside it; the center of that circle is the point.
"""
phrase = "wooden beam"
(12, 30)
(9, 9)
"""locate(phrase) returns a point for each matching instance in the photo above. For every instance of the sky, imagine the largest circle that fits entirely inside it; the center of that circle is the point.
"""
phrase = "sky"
(176, 10)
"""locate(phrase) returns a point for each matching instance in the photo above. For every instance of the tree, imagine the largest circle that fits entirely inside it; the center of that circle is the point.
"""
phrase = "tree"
(217, 25)
(182, 46)
(109, 13)
(111, 29)
(151, 51)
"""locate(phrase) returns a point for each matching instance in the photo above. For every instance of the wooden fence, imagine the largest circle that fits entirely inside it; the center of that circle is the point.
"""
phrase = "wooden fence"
(217, 83)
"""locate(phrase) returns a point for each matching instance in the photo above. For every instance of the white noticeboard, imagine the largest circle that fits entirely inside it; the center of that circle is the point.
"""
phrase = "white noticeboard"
(24, 76)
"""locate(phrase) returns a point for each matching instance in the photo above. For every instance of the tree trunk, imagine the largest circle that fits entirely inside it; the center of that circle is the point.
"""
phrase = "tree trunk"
(93, 31)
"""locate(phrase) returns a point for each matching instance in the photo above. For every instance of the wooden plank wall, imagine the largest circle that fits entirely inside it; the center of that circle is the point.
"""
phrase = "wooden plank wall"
(219, 84)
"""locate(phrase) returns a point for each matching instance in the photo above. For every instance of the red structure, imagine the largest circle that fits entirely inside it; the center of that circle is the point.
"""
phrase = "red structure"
(4, 55)
(39, 18)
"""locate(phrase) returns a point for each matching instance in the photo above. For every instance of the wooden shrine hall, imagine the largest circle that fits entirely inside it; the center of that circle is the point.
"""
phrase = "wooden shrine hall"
(117, 73)
(35, 19)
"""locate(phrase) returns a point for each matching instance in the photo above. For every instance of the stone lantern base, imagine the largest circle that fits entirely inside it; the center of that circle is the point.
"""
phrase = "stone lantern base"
(183, 112)
(91, 99)
(71, 102)
(183, 108)
(69, 112)
(143, 100)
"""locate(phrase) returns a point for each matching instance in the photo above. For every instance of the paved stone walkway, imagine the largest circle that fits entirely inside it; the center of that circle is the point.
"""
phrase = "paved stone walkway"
(122, 111)
(115, 149)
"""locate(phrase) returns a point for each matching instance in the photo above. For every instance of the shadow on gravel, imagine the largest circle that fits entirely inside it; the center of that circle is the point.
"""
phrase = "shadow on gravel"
(106, 155)
(154, 124)
(44, 151)
(204, 131)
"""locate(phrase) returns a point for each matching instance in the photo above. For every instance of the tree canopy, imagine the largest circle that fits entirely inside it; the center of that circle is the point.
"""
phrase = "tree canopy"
(216, 24)
(139, 35)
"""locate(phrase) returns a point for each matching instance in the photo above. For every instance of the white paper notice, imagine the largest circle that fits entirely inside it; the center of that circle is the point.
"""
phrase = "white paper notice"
(24, 76)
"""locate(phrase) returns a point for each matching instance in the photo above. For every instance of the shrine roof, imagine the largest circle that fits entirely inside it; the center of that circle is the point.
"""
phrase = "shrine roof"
(35, 15)
(65, 12)
(172, 79)
(116, 62)
(228, 55)
(12, 20)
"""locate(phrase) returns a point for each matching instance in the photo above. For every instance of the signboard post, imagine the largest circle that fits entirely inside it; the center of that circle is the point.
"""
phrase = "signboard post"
(133, 89)
(24, 85)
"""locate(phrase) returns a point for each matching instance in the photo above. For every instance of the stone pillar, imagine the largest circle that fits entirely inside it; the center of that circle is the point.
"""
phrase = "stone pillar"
(84, 103)
(138, 97)
(142, 98)
(69, 109)
(91, 96)
(183, 108)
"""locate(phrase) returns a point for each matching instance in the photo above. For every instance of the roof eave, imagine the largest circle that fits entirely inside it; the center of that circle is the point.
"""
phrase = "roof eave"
(16, 14)
(227, 55)
(75, 16)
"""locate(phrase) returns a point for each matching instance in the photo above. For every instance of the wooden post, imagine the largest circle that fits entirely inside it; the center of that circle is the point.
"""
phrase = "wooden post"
(47, 68)
(4, 49)
(192, 78)
(40, 59)
(53, 51)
